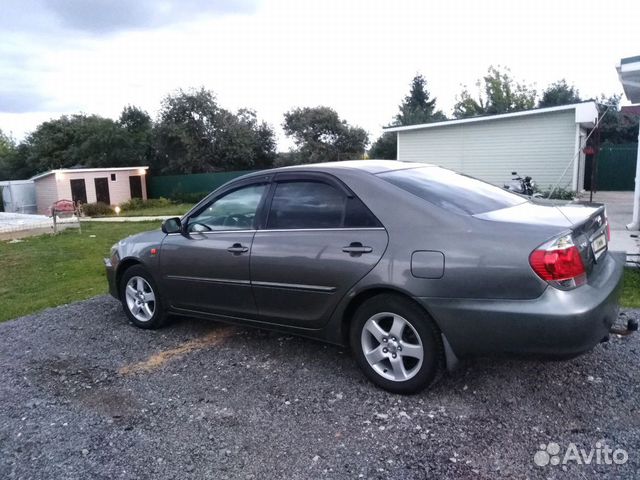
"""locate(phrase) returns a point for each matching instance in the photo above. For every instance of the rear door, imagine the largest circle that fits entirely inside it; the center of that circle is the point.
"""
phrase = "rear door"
(102, 190)
(206, 269)
(135, 186)
(78, 190)
(319, 240)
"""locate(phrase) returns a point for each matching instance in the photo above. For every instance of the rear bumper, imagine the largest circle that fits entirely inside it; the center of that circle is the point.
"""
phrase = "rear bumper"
(557, 323)
(111, 277)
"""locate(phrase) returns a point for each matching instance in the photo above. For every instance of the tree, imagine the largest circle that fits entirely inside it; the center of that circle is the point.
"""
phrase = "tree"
(138, 126)
(75, 140)
(417, 107)
(559, 93)
(615, 127)
(499, 93)
(467, 106)
(84, 140)
(385, 147)
(195, 135)
(7, 156)
(246, 143)
(321, 136)
(135, 119)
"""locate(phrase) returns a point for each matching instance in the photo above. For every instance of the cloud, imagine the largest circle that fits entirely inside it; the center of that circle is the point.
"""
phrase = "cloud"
(21, 99)
(34, 30)
(99, 17)
(19, 73)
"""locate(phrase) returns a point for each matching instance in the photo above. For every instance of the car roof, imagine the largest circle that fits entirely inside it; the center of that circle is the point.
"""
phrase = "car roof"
(369, 166)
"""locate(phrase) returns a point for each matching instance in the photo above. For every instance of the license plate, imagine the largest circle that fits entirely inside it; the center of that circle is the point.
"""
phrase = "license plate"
(599, 245)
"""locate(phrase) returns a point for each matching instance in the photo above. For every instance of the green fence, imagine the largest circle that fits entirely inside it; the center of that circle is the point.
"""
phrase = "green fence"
(181, 186)
(617, 167)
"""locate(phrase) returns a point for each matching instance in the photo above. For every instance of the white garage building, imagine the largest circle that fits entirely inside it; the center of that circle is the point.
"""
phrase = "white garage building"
(544, 143)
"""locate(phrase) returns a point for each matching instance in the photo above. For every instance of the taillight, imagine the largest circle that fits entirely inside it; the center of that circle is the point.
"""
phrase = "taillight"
(606, 221)
(559, 263)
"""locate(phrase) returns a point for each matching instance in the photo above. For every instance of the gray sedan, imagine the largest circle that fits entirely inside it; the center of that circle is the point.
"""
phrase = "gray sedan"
(411, 265)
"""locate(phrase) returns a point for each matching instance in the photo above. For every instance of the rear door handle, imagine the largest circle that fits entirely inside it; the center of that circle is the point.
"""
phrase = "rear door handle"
(356, 248)
(237, 248)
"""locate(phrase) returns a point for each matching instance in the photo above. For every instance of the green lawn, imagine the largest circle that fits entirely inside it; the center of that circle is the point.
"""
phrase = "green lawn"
(46, 271)
(177, 210)
(631, 293)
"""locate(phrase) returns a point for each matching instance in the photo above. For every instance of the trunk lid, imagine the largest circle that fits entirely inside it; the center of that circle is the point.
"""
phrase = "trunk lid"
(586, 221)
(589, 234)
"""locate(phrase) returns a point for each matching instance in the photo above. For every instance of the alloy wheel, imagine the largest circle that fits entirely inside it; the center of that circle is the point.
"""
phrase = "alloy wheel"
(141, 299)
(392, 347)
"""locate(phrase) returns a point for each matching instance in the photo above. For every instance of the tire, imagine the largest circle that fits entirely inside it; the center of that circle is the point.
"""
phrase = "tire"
(140, 298)
(388, 336)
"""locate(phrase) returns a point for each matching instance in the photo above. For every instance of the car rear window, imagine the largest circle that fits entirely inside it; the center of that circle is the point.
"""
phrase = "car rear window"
(452, 191)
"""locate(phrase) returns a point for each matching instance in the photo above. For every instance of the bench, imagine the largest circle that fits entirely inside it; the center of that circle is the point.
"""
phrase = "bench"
(65, 209)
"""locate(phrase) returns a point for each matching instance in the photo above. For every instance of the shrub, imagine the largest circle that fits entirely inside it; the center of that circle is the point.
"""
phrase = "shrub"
(188, 197)
(98, 209)
(140, 204)
(559, 194)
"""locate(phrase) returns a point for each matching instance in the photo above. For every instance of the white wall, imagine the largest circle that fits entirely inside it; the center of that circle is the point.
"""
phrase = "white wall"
(540, 146)
(46, 193)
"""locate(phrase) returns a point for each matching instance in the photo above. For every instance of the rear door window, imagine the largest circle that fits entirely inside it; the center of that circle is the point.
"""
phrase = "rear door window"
(452, 191)
(316, 205)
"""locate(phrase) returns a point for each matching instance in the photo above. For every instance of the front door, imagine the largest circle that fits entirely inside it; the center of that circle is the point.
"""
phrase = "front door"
(102, 190)
(135, 185)
(319, 241)
(206, 269)
(78, 190)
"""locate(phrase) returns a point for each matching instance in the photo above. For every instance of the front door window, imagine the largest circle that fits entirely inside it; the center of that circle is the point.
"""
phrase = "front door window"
(234, 211)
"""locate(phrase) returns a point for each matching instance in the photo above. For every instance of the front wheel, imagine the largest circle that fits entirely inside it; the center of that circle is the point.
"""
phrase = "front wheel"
(140, 298)
(396, 344)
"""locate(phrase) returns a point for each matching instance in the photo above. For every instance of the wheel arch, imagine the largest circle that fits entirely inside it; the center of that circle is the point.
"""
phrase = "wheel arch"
(450, 358)
(362, 296)
(123, 266)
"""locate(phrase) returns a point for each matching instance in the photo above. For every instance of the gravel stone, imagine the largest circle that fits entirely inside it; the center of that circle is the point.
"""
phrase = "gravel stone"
(84, 394)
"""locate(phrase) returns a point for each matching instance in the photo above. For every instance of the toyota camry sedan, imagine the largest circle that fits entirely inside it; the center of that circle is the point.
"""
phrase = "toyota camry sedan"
(411, 265)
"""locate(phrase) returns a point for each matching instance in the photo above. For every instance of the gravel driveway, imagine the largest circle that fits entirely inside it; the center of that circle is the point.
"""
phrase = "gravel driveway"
(83, 394)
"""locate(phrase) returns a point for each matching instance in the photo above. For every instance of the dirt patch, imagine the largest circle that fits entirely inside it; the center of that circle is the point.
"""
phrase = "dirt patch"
(157, 360)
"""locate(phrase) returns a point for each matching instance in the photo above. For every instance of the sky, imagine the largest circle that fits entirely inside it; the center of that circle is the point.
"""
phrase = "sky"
(96, 56)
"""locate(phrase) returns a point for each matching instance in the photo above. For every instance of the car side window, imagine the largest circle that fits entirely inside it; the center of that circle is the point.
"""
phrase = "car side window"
(308, 204)
(233, 211)
(358, 215)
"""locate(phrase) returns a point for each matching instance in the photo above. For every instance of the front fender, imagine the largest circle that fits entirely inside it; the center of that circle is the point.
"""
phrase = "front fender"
(143, 248)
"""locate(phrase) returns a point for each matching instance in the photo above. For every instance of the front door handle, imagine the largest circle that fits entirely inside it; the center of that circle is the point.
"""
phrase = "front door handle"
(356, 248)
(237, 249)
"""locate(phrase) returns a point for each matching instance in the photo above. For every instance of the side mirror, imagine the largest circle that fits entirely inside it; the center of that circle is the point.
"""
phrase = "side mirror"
(172, 225)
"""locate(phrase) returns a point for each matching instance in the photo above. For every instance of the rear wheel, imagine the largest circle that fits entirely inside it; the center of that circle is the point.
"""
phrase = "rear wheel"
(396, 344)
(140, 298)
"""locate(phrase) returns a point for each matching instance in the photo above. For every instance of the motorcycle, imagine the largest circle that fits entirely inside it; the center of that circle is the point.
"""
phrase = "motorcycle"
(523, 186)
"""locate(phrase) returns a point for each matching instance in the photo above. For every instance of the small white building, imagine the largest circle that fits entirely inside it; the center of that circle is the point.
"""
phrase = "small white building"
(112, 186)
(544, 143)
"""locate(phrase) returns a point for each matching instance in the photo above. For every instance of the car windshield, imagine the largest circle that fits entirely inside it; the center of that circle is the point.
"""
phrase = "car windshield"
(452, 191)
